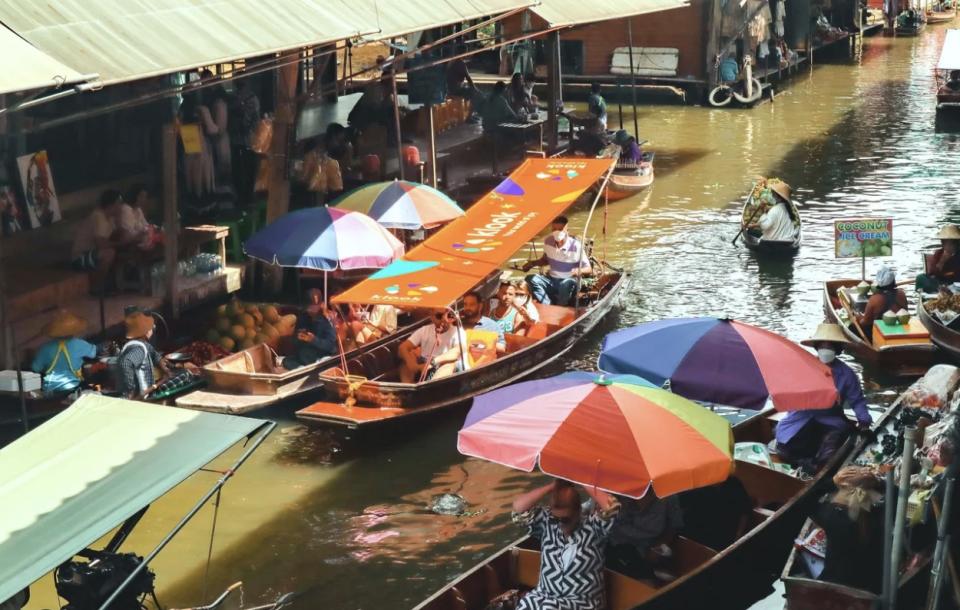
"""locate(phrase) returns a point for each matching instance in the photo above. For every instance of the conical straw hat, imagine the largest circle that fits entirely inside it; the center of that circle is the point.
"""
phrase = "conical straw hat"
(826, 332)
(949, 232)
(64, 324)
(781, 188)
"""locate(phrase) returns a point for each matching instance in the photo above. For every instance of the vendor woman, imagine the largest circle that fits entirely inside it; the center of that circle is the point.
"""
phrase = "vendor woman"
(887, 298)
(944, 266)
(60, 359)
(138, 357)
(779, 222)
(808, 439)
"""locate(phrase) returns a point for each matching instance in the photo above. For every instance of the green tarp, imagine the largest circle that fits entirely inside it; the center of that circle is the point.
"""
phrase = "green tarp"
(70, 481)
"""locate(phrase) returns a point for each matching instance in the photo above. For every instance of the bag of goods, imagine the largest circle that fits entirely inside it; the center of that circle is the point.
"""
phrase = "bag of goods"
(755, 453)
(932, 391)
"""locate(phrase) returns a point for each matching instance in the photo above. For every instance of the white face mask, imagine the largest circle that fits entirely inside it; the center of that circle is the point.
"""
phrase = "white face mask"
(559, 236)
(826, 355)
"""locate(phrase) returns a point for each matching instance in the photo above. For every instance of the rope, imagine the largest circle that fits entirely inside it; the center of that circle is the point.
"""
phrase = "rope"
(213, 531)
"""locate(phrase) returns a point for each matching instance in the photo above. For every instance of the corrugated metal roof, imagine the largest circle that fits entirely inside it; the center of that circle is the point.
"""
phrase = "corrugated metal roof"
(559, 13)
(26, 68)
(123, 40)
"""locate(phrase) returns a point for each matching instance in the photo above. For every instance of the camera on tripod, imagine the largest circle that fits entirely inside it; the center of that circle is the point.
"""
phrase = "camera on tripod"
(86, 585)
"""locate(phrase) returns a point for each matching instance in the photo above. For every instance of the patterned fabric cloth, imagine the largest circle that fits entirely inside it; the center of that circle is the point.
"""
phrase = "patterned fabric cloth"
(571, 569)
(177, 383)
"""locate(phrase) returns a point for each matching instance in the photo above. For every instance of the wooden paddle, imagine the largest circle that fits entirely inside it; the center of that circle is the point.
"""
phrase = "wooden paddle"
(743, 226)
(844, 300)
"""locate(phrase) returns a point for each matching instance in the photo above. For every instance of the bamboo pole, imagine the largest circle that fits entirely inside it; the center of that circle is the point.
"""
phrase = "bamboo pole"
(633, 79)
(899, 526)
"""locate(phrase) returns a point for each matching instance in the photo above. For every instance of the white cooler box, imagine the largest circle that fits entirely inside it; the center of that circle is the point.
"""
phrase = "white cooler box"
(8, 381)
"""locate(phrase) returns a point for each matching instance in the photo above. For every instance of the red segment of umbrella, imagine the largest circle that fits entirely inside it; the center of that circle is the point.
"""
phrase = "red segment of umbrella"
(616, 436)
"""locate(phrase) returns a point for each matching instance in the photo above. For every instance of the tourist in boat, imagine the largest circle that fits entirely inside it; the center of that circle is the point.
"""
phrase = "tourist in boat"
(852, 518)
(809, 438)
(433, 351)
(642, 534)
(485, 338)
(596, 105)
(138, 357)
(564, 255)
(571, 546)
(520, 98)
(887, 298)
(315, 336)
(96, 240)
(509, 314)
(60, 359)
(630, 153)
(371, 323)
(944, 266)
(779, 222)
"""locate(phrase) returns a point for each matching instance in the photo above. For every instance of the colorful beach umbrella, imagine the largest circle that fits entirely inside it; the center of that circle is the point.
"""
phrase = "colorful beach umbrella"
(324, 238)
(618, 433)
(401, 204)
(721, 361)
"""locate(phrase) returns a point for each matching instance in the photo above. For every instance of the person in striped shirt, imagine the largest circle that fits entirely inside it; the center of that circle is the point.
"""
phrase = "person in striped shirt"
(564, 255)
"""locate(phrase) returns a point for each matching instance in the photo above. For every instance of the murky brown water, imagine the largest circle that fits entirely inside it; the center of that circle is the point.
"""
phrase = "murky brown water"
(347, 521)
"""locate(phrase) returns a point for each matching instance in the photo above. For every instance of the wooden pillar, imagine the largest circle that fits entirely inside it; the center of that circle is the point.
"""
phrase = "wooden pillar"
(714, 14)
(553, 90)
(171, 221)
(633, 78)
(278, 186)
(431, 146)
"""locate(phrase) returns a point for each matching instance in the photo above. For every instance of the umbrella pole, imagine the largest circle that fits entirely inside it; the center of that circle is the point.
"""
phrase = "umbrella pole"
(583, 244)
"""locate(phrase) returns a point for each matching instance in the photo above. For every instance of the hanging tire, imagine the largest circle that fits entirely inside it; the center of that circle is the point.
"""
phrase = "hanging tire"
(719, 101)
(757, 93)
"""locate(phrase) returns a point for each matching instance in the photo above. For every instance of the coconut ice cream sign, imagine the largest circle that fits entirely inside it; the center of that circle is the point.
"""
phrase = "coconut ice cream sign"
(863, 237)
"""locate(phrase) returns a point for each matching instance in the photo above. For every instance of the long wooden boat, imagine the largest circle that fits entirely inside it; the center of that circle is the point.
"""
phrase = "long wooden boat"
(804, 592)
(752, 239)
(941, 16)
(250, 380)
(942, 336)
(629, 180)
(909, 359)
(732, 577)
(381, 397)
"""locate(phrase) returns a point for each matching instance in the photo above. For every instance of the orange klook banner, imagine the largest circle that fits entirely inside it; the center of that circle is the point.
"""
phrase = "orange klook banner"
(454, 260)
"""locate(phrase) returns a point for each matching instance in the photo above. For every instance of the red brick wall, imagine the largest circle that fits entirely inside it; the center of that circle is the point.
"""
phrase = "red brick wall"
(681, 29)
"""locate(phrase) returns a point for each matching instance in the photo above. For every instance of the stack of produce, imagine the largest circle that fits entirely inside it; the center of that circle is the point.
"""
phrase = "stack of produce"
(238, 326)
(203, 353)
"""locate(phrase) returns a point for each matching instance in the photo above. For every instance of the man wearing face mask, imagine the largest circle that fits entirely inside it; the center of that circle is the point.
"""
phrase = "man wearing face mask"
(564, 255)
(807, 439)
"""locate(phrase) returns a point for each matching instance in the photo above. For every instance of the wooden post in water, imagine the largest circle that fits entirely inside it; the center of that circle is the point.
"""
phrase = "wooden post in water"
(553, 91)
(633, 79)
(171, 221)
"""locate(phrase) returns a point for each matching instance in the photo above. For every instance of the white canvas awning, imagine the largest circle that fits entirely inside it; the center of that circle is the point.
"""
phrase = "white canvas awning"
(26, 68)
(950, 54)
(562, 13)
(391, 18)
(79, 475)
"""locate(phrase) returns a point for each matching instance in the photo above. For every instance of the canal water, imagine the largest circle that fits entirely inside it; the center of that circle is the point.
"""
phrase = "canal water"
(345, 521)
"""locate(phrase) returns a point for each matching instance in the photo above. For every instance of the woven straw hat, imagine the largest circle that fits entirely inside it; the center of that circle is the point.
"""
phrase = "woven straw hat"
(826, 332)
(138, 324)
(64, 324)
(781, 188)
(949, 232)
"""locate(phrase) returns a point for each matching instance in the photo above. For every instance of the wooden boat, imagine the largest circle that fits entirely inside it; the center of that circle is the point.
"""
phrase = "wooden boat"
(906, 357)
(752, 237)
(628, 179)
(942, 336)
(804, 592)
(948, 97)
(381, 397)
(732, 577)
(940, 16)
(910, 27)
(250, 379)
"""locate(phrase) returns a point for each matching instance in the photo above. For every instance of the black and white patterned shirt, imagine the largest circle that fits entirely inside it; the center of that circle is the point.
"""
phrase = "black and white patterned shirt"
(135, 367)
(571, 569)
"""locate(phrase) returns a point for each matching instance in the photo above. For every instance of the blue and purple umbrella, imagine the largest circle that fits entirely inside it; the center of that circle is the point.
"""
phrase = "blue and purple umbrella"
(722, 362)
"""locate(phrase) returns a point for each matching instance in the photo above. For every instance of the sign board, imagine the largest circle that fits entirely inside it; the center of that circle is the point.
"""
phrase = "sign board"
(863, 237)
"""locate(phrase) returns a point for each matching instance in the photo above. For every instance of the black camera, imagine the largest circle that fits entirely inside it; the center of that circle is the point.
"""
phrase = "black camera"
(86, 585)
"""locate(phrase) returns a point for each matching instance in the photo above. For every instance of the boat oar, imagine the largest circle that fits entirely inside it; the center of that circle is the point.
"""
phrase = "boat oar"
(744, 225)
(853, 318)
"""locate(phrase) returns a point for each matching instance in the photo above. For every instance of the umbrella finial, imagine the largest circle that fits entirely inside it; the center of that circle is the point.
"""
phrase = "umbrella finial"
(601, 379)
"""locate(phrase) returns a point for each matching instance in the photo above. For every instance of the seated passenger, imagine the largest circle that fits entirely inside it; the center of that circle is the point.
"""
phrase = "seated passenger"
(571, 546)
(432, 350)
(954, 83)
(809, 438)
(642, 534)
(60, 359)
(630, 152)
(944, 266)
(496, 110)
(887, 298)
(471, 315)
(95, 241)
(509, 315)
(371, 323)
(564, 255)
(314, 337)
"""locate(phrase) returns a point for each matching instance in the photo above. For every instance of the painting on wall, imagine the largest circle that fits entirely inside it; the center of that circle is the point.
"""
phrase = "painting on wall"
(13, 216)
(42, 205)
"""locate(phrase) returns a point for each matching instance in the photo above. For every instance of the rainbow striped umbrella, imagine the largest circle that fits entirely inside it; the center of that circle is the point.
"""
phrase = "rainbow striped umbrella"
(401, 204)
(616, 432)
(324, 238)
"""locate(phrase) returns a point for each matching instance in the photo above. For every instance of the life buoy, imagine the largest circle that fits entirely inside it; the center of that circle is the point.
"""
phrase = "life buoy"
(720, 103)
(757, 92)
